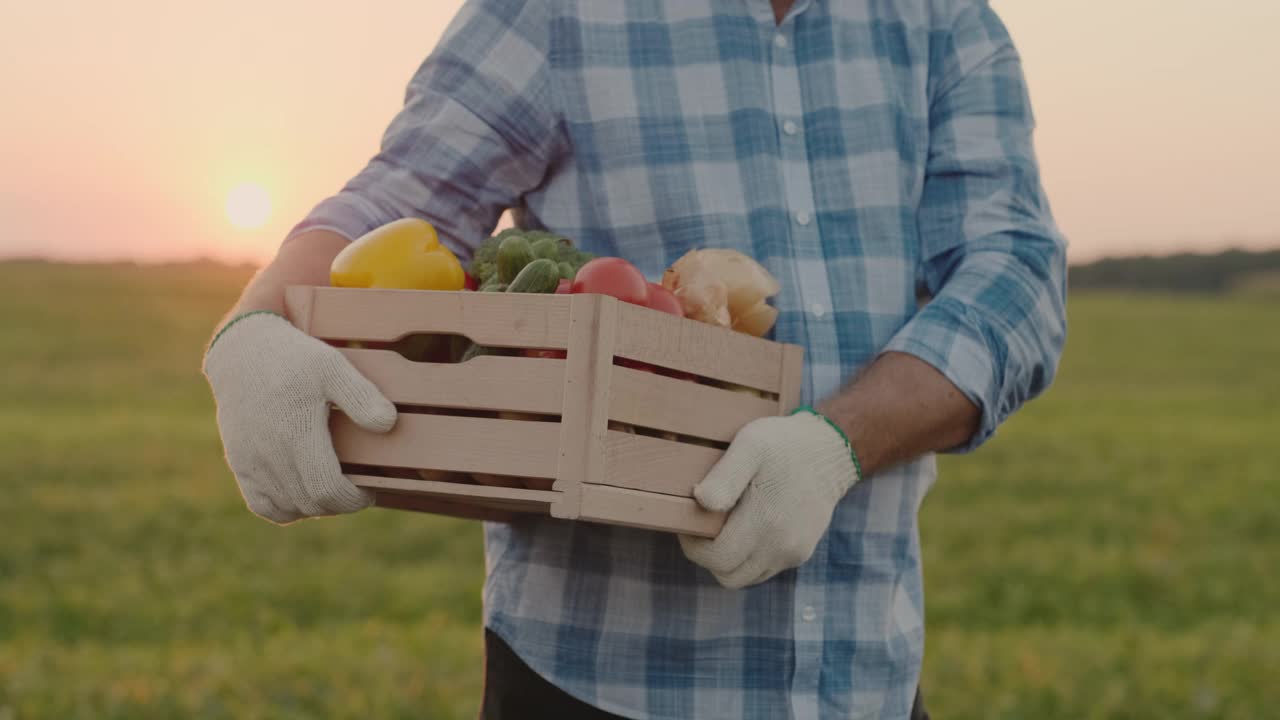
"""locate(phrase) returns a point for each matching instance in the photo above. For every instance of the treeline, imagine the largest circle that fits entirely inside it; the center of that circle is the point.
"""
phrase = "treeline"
(1185, 272)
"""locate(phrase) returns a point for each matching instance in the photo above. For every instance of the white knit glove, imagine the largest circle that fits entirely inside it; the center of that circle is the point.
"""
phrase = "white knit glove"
(782, 477)
(273, 385)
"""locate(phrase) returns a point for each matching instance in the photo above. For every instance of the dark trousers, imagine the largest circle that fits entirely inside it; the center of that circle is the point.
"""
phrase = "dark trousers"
(513, 691)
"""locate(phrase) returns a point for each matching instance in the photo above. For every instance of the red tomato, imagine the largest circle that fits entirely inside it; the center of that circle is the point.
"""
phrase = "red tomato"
(470, 283)
(663, 300)
(565, 287)
(612, 276)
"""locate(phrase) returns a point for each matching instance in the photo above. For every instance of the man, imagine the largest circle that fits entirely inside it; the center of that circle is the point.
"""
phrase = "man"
(867, 153)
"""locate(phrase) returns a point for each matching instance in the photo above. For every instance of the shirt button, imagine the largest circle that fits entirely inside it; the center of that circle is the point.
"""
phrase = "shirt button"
(818, 310)
(790, 128)
(803, 218)
(780, 41)
(808, 614)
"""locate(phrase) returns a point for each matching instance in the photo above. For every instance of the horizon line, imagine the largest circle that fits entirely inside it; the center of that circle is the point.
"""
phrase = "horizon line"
(205, 259)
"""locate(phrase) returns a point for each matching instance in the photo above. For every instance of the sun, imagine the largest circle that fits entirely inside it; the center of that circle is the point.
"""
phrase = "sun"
(248, 206)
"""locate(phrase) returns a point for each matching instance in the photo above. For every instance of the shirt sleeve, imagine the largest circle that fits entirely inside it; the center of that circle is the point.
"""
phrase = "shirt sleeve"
(477, 131)
(992, 259)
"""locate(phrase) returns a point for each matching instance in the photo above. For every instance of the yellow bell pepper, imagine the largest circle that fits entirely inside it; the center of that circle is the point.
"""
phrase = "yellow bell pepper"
(405, 254)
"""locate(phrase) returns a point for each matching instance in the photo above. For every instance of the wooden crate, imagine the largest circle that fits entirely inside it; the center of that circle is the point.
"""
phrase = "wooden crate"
(600, 474)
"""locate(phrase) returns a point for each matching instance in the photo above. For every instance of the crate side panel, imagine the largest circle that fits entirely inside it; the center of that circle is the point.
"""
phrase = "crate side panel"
(791, 379)
(681, 406)
(461, 444)
(647, 510)
(661, 339)
(461, 492)
(584, 417)
(655, 465)
(297, 306)
(534, 385)
(518, 320)
(467, 509)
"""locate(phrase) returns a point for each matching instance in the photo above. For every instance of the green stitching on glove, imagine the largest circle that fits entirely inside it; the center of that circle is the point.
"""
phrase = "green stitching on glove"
(857, 464)
(240, 317)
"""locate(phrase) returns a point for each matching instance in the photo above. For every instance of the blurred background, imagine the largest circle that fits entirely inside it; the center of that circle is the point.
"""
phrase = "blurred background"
(1110, 554)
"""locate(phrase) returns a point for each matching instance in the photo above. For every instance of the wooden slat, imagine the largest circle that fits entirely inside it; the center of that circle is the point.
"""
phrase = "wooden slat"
(680, 406)
(444, 442)
(651, 511)
(653, 337)
(510, 497)
(518, 320)
(655, 465)
(297, 306)
(467, 510)
(584, 418)
(792, 375)
(534, 385)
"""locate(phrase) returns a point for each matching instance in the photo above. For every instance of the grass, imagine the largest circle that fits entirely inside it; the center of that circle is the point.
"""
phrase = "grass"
(1110, 554)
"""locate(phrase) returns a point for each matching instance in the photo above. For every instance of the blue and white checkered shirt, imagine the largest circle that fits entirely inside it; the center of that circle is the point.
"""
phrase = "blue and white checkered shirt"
(867, 153)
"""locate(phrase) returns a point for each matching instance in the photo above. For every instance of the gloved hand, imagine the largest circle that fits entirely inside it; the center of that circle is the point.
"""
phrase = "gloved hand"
(782, 478)
(273, 385)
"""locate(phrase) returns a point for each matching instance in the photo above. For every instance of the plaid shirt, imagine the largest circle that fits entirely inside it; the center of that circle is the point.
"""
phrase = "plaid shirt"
(867, 153)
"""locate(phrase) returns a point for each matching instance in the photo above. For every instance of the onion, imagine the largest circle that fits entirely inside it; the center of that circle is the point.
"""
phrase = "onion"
(725, 288)
(746, 280)
(706, 300)
(758, 320)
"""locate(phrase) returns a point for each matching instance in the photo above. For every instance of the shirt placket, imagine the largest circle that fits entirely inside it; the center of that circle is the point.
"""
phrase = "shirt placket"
(815, 296)
(814, 292)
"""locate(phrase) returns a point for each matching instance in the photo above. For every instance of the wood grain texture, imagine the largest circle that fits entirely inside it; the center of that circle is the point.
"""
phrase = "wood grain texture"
(585, 415)
(459, 492)
(518, 320)
(653, 401)
(467, 510)
(653, 337)
(648, 510)
(790, 378)
(444, 442)
(655, 465)
(297, 306)
(598, 475)
(521, 384)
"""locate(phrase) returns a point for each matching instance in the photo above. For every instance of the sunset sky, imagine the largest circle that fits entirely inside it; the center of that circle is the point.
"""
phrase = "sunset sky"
(126, 126)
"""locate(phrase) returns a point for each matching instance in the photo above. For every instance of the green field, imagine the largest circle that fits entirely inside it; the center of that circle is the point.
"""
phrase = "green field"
(1111, 554)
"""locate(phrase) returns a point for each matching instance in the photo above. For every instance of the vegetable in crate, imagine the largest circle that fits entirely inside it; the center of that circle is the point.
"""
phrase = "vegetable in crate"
(547, 248)
(725, 288)
(405, 254)
(541, 245)
(614, 277)
(513, 254)
(539, 276)
(663, 300)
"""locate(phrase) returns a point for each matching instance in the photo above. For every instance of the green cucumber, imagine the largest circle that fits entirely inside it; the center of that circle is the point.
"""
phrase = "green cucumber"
(567, 270)
(548, 248)
(513, 254)
(540, 276)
